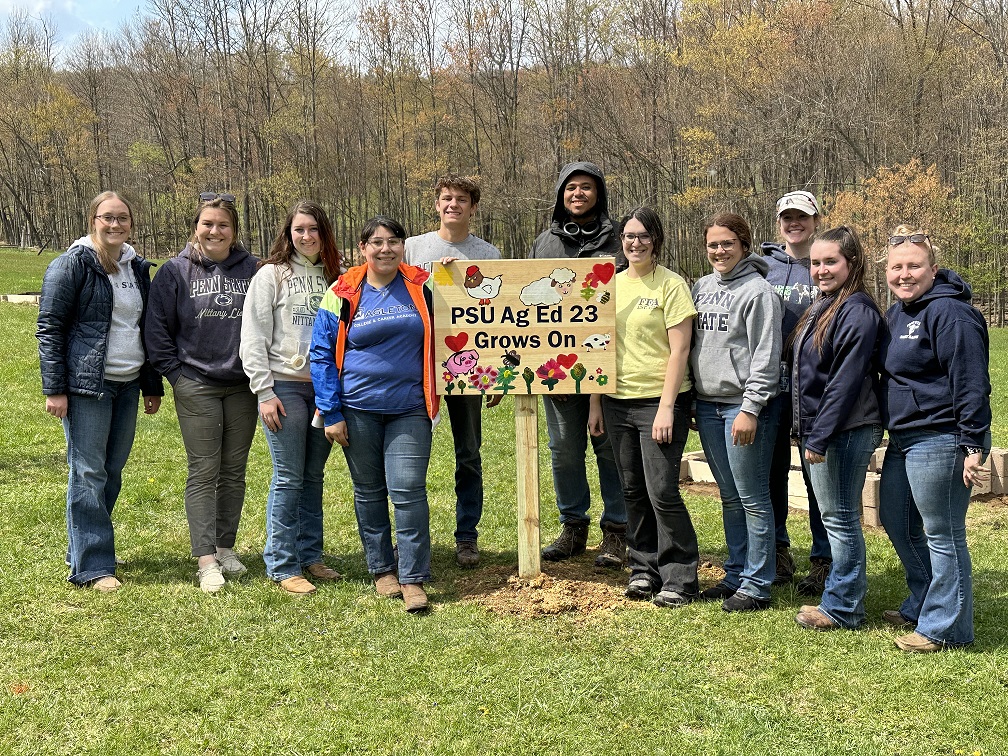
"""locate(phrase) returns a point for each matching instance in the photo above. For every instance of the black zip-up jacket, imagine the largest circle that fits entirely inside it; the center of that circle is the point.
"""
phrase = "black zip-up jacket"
(838, 389)
(75, 315)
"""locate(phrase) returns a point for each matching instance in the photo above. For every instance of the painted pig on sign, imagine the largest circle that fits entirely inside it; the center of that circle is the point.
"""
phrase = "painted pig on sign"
(461, 363)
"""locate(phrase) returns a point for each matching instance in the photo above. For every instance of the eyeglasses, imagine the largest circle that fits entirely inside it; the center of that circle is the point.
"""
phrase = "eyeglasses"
(895, 241)
(727, 246)
(392, 243)
(642, 238)
(211, 196)
(108, 220)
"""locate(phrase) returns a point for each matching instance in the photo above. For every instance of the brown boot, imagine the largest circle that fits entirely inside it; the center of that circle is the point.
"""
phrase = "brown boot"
(612, 551)
(415, 597)
(571, 542)
(387, 585)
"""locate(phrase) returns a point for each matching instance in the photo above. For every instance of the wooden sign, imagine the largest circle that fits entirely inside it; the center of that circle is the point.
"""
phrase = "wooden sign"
(525, 326)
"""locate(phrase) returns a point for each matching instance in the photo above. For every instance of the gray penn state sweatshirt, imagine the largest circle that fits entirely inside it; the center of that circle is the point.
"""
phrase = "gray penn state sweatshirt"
(736, 351)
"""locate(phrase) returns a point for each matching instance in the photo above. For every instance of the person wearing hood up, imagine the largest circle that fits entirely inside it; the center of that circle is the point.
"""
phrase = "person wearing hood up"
(581, 227)
(193, 334)
(936, 390)
(735, 361)
(798, 219)
(94, 370)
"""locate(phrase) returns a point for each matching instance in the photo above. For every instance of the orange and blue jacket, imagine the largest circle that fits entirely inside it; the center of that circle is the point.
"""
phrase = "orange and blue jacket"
(336, 313)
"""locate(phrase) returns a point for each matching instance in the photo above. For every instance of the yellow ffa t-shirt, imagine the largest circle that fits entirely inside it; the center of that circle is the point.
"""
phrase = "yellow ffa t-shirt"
(645, 309)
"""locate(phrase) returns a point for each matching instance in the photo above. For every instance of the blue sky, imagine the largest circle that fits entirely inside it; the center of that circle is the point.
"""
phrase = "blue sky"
(73, 17)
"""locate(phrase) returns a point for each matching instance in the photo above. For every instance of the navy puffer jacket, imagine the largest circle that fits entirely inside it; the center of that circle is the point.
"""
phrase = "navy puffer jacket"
(75, 314)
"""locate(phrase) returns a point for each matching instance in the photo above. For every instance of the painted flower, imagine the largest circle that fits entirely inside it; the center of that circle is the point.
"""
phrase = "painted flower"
(483, 377)
(507, 373)
(551, 371)
(447, 377)
(603, 380)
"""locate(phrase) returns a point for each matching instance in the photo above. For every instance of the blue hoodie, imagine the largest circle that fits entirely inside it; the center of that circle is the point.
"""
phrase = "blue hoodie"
(935, 364)
(790, 278)
(837, 389)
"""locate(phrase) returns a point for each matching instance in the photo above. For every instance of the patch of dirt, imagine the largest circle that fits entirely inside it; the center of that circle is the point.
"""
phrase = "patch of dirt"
(575, 588)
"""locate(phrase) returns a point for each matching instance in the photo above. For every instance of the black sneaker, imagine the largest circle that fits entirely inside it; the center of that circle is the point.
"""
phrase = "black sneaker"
(671, 599)
(718, 593)
(815, 582)
(639, 589)
(739, 602)
(572, 541)
(785, 566)
(613, 549)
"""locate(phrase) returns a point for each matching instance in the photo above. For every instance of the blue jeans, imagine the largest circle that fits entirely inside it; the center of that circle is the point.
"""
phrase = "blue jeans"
(838, 483)
(922, 506)
(388, 457)
(742, 474)
(99, 433)
(567, 426)
(780, 468)
(467, 433)
(294, 504)
(662, 542)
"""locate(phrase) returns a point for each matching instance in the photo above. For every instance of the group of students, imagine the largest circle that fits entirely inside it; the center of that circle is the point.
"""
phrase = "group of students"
(772, 343)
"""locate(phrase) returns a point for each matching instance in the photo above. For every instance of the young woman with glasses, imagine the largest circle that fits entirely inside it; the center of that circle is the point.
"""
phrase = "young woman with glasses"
(936, 381)
(736, 372)
(648, 416)
(372, 363)
(193, 335)
(94, 370)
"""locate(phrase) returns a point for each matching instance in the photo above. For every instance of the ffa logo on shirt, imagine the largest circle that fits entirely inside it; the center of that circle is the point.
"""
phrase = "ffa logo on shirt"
(647, 304)
(912, 327)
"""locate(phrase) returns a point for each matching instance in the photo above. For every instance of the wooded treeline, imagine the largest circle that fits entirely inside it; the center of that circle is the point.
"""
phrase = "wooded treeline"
(886, 109)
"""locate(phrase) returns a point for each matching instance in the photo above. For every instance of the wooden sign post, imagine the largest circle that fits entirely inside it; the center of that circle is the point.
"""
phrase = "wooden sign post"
(525, 327)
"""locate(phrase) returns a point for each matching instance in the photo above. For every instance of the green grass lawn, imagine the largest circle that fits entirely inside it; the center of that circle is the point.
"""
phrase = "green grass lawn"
(21, 269)
(160, 668)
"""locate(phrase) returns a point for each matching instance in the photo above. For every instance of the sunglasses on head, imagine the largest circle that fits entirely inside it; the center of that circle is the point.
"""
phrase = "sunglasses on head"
(211, 196)
(895, 241)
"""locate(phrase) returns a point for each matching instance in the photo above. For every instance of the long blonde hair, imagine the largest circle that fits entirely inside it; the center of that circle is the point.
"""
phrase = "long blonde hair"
(106, 258)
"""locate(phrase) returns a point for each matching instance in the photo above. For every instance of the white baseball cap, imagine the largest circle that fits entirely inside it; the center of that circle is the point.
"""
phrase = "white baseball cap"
(803, 201)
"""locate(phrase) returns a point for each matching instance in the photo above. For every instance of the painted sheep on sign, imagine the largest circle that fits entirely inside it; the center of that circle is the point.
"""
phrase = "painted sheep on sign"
(549, 291)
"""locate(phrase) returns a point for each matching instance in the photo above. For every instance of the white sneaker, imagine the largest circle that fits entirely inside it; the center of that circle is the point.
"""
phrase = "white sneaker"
(210, 578)
(229, 563)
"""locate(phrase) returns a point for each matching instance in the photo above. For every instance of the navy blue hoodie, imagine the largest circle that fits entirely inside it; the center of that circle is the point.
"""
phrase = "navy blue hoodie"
(790, 278)
(194, 317)
(837, 389)
(935, 364)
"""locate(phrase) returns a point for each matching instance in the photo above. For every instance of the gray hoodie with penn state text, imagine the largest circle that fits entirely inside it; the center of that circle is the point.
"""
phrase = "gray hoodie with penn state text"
(736, 351)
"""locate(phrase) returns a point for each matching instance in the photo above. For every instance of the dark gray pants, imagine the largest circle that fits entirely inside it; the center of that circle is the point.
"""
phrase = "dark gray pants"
(660, 536)
(218, 425)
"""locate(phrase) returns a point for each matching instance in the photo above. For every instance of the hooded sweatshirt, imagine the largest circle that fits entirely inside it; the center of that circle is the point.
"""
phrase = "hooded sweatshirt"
(736, 351)
(194, 324)
(277, 322)
(564, 238)
(935, 364)
(836, 389)
(792, 280)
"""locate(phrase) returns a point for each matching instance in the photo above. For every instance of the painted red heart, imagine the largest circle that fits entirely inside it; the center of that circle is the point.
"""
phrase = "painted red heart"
(604, 271)
(457, 343)
(567, 359)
